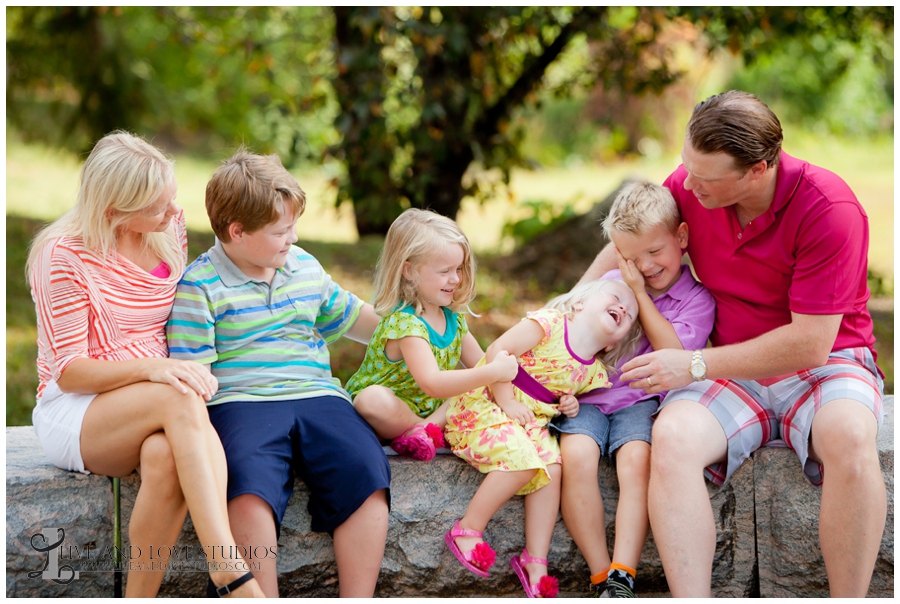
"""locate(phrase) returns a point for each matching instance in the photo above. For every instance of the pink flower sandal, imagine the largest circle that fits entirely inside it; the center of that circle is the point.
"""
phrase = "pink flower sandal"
(436, 435)
(480, 559)
(546, 587)
(415, 442)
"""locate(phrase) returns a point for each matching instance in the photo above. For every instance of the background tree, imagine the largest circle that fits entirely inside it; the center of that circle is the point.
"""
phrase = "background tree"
(428, 96)
(202, 78)
(423, 106)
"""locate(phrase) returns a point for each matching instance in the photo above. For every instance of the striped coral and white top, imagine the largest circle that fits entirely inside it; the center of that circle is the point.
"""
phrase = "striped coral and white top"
(90, 307)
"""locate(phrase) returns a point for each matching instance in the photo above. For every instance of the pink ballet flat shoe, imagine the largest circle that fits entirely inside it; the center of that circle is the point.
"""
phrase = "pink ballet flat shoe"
(415, 442)
(480, 559)
(546, 587)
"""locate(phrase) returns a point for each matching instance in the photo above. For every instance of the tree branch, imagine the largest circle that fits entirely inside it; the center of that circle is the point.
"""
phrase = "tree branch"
(535, 68)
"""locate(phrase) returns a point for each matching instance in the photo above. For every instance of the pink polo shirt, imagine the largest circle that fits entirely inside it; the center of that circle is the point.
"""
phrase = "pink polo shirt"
(807, 254)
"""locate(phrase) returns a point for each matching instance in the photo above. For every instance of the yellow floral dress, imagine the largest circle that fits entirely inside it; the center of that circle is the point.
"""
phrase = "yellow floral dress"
(479, 432)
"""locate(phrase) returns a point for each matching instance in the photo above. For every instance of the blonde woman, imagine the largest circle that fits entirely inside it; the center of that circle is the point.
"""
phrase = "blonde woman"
(109, 400)
(424, 281)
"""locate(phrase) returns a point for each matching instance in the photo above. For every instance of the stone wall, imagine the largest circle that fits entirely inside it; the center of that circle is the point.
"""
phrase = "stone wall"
(766, 521)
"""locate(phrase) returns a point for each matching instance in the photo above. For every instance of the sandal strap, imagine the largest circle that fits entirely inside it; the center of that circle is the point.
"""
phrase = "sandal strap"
(458, 531)
(224, 590)
(527, 558)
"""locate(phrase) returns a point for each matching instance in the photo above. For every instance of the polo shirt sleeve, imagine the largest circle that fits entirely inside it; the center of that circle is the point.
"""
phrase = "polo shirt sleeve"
(338, 311)
(191, 330)
(830, 260)
(63, 304)
(693, 319)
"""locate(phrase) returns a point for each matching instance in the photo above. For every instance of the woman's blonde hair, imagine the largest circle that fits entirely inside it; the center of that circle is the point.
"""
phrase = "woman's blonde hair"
(125, 174)
(413, 237)
(565, 303)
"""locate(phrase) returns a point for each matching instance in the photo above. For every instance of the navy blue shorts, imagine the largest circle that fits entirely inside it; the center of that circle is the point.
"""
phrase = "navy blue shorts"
(610, 431)
(321, 440)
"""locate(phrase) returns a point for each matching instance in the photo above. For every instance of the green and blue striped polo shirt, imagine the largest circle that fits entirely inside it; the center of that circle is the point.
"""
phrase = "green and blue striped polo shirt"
(262, 341)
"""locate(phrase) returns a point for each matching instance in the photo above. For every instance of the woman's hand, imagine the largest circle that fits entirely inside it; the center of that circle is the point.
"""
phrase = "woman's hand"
(182, 375)
(568, 405)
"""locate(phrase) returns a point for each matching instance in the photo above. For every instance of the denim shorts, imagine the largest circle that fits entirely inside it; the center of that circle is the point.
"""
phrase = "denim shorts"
(610, 431)
(754, 413)
(321, 440)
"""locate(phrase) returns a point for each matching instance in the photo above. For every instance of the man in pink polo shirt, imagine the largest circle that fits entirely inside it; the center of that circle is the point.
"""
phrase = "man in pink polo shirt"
(782, 245)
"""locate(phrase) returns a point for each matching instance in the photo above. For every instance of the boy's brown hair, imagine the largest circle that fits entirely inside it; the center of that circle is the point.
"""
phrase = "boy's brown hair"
(247, 189)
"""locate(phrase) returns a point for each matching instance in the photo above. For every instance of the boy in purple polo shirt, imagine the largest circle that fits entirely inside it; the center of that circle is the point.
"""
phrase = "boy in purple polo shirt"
(676, 312)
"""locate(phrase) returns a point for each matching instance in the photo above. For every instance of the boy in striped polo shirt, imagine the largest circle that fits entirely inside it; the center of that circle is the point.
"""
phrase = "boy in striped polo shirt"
(261, 311)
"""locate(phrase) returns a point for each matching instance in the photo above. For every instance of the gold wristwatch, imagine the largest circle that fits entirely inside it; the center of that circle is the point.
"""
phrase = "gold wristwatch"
(698, 366)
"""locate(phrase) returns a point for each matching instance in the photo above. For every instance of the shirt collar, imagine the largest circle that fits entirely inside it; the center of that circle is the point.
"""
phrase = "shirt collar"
(790, 171)
(232, 276)
(681, 288)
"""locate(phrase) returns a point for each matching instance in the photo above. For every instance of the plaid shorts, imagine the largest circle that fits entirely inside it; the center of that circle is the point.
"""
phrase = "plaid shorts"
(756, 413)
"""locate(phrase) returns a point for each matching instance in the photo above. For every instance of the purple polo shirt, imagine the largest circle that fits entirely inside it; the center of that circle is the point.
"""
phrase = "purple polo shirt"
(807, 254)
(691, 310)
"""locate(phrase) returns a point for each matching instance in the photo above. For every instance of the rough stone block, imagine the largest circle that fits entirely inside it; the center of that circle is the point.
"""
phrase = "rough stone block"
(426, 499)
(787, 517)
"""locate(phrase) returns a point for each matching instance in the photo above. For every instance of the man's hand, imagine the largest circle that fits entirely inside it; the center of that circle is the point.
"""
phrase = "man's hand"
(630, 273)
(659, 371)
(568, 405)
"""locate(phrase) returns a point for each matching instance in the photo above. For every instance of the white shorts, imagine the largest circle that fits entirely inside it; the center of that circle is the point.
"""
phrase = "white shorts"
(57, 420)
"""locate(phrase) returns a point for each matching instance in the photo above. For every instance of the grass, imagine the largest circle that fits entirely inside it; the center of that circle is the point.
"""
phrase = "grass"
(41, 185)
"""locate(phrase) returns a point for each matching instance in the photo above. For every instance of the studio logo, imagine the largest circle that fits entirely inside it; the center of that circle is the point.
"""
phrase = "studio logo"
(43, 542)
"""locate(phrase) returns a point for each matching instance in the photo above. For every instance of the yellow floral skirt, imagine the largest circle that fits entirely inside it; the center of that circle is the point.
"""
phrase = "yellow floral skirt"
(479, 432)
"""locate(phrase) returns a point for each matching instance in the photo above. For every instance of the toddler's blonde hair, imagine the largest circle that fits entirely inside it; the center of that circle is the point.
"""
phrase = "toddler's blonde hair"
(413, 237)
(565, 303)
(641, 206)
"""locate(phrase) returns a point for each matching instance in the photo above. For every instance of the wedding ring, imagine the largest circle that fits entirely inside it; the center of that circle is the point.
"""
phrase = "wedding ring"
(649, 383)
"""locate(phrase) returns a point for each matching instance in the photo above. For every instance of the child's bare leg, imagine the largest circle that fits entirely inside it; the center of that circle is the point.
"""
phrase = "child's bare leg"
(359, 547)
(495, 490)
(253, 526)
(388, 415)
(582, 504)
(541, 511)
(632, 520)
(439, 417)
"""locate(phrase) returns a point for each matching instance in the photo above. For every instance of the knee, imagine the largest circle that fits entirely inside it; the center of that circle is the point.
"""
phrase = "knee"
(675, 439)
(633, 462)
(846, 442)
(580, 454)
(374, 401)
(188, 409)
(158, 469)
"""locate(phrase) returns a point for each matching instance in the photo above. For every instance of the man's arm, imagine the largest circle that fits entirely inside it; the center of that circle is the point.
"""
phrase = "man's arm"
(603, 263)
(806, 342)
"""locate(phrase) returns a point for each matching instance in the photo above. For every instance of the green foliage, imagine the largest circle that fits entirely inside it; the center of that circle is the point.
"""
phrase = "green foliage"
(423, 106)
(825, 66)
(843, 85)
(204, 77)
(543, 216)
(429, 96)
